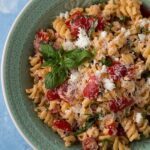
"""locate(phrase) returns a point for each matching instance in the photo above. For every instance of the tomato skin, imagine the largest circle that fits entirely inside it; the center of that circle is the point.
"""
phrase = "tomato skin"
(92, 88)
(89, 144)
(100, 25)
(78, 20)
(62, 124)
(119, 104)
(112, 129)
(52, 95)
(43, 36)
(117, 71)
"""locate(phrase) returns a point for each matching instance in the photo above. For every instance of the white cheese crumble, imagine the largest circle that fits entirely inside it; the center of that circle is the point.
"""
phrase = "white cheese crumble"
(99, 72)
(83, 40)
(68, 45)
(127, 33)
(108, 84)
(74, 76)
(143, 22)
(138, 118)
(64, 15)
(141, 37)
(103, 34)
(77, 109)
(148, 81)
(123, 30)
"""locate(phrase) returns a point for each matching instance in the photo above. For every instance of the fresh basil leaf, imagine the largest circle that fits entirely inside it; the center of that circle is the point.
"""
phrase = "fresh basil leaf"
(106, 61)
(55, 78)
(74, 58)
(48, 52)
(50, 63)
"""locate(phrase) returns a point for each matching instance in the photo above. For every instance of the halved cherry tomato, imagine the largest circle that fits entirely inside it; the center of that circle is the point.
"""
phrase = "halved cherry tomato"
(92, 88)
(52, 95)
(62, 124)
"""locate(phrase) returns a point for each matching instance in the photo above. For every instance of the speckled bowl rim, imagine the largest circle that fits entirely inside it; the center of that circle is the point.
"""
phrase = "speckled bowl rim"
(2, 73)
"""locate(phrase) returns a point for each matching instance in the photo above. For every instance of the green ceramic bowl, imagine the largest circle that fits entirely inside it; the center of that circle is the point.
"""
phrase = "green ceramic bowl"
(15, 72)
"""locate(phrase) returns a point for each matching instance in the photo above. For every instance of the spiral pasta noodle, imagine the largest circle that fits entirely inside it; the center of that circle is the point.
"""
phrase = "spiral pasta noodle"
(129, 8)
(60, 26)
(130, 129)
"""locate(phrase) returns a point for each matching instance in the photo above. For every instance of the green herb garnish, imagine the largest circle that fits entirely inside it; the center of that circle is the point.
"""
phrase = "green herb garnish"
(108, 27)
(145, 74)
(90, 121)
(106, 61)
(144, 30)
(123, 19)
(93, 27)
(61, 62)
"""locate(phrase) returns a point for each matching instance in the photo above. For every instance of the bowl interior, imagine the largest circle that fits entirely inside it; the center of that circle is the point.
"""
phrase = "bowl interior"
(16, 77)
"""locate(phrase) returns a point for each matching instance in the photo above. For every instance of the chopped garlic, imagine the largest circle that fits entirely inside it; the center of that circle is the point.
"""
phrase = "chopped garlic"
(108, 84)
(64, 15)
(141, 37)
(68, 45)
(83, 40)
(103, 34)
(138, 118)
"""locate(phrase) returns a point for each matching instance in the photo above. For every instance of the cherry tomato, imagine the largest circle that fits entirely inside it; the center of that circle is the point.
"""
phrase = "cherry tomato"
(119, 104)
(52, 95)
(43, 36)
(92, 88)
(77, 21)
(117, 71)
(112, 129)
(62, 124)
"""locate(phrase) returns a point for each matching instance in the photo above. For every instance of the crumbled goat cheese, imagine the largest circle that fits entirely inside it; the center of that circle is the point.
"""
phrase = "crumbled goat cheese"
(143, 22)
(74, 76)
(123, 30)
(68, 45)
(103, 34)
(148, 81)
(83, 40)
(116, 59)
(108, 84)
(76, 109)
(64, 15)
(99, 72)
(138, 118)
(141, 37)
(127, 33)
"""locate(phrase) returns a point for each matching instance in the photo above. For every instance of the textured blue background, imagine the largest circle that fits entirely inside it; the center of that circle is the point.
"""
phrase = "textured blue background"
(10, 139)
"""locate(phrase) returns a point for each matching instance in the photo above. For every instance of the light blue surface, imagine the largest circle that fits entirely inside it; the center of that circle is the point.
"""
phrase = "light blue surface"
(10, 139)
